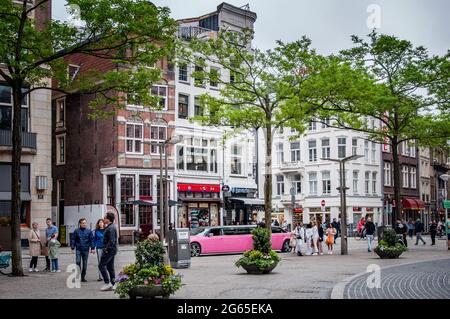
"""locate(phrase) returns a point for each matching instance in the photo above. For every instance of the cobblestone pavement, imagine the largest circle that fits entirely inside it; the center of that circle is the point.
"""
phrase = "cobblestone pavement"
(217, 276)
(423, 280)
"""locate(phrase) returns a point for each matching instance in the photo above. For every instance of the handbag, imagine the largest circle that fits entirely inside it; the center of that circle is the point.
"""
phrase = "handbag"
(44, 250)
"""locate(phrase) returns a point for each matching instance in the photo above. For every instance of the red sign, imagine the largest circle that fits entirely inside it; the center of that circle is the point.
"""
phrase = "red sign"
(203, 188)
(298, 210)
(322, 203)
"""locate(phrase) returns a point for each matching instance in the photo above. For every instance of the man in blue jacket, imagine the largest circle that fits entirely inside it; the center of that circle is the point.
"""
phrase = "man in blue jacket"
(82, 240)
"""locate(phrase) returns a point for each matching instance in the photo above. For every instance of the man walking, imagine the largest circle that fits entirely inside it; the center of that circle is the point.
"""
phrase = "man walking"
(401, 229)
(50, 232)
(419, 230)
(82, 240)
(433, 232)
(106, 264)
(370, 231)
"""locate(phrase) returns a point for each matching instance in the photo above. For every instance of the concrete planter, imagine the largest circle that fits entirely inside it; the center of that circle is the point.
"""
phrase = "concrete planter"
(255, 270)
(146, 292)
(388, 254)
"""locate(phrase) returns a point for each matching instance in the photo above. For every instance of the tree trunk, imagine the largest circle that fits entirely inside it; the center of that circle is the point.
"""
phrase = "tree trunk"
(268, 179)
(17, 269)
(397, 184)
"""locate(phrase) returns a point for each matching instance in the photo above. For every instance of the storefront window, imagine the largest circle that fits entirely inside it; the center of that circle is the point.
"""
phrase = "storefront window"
(127, 194)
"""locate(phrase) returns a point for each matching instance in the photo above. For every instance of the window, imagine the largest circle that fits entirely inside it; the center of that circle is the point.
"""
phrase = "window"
(6, 109)
(72, 71)
(412, 149)
(60, 112)
(180, 157)
(199, 78)
(214, 77)
(374, 182)
(197, 155)
(158, 134)
(405, 176)
(354, 145)
(387, 174)
(405, 148)
(312, 125)
(366, 150)
(127, 195)
(355, 182)
(341, 147)
(295, 152)
(280, 185)
(183, 72)
(297, 183)
(145, 186)
(134, 138)
(161, 92)
(325, 122)
(280, 154)
(312, 151)
(326, 151)
(413, 176)
(236, 160)
(367, 182)
(183, 106)
(326, 183)
(213, 160)
(313, 183)
(61, 150)
(374, 151)
(198, 110)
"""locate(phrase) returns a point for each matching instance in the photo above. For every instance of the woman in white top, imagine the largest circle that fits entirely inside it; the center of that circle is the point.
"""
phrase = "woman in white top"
(308, 236)
(315, 237)
(300, 237)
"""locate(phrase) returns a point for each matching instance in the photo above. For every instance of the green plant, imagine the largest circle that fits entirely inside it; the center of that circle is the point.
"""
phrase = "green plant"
(390, 237)
(149, 253)
(262, 240)
(389, 247)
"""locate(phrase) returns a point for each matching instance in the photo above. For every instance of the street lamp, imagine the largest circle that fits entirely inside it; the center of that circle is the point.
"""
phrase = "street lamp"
(445, 178)
(342, 188)
(164, 202)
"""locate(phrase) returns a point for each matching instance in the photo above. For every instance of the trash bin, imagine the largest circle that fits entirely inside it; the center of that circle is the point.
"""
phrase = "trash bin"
(179, 248)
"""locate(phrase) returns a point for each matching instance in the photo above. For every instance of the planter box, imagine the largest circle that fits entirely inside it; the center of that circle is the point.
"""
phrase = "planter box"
(147, 292)
(255, 270)
(383, 254)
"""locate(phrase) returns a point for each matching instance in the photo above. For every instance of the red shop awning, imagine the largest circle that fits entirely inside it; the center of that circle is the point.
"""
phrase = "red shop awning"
(409, 203)
(420, 203)
(203, 188)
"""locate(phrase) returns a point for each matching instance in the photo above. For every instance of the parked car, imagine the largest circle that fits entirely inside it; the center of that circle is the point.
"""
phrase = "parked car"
(232, 239)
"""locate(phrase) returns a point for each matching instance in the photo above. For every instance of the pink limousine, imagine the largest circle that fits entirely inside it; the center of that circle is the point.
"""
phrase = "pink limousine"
(232, 239)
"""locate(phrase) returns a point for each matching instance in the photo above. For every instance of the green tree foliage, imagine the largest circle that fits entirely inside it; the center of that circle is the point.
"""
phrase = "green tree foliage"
(131, 34)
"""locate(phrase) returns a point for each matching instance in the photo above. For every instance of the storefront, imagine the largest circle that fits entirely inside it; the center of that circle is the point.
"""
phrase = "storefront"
(319, 213)
(242, 207)
(412, 208)
(297, 216)
(200, 205)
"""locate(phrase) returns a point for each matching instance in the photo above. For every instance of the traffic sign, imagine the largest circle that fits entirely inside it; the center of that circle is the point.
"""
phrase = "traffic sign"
(322, 203)
(225, 188)
(446, 203)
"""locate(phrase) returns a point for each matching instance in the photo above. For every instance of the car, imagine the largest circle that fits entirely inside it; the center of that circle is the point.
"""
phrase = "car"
(232, 239)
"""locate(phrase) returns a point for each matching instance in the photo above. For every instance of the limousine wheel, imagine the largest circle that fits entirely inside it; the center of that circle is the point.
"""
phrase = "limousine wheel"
(285, 247)
(195, 250)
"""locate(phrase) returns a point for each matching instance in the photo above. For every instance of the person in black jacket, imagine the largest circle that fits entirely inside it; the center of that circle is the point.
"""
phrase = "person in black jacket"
(419, 230)
(106, 265)
(401, 229)
(369, 226)
(81, 242)
(433, 232)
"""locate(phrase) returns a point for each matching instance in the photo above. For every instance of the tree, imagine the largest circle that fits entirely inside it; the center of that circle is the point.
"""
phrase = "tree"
(132, 34)
(401, 87)
(265, 90)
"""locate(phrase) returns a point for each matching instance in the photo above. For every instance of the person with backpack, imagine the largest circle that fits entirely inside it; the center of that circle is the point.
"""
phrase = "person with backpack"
(419, 230)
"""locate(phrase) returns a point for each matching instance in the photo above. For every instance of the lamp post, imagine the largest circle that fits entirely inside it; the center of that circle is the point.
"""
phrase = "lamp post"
(445, 178)
(342, 188)
(163, 191)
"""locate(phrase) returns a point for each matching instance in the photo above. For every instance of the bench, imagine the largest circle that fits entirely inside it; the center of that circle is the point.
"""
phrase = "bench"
(5, 259)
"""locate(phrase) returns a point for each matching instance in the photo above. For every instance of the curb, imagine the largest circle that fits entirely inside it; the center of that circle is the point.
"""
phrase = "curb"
(339, 288)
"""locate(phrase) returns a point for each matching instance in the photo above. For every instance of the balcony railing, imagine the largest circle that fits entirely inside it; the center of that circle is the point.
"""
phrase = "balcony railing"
(187, 33)
(292, 166)
(288, 197)
(28, 139)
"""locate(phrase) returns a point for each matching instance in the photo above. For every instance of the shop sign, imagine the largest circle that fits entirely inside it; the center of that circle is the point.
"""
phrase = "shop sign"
(203, 188)
(446, 203)
(238, 190)
(298, 210)
(369, 209)
(357, 209)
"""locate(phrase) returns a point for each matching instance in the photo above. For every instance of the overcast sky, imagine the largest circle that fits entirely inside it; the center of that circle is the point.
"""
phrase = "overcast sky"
(329, 23)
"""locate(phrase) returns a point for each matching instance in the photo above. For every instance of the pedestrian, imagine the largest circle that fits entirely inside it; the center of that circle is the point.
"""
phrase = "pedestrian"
(300, 237)
(331, 238)
(81, 241)
(49, 232)
(447, 230)
(334, 224)
(106, 265)
(293, 242)
(369, 227)
(410, 228)
(360, 227)
(402, 230)
(276, 223)
(53, 252)
(34, 240)
(98, 242)
(433, 232)
(419, 230)
(320, 239)
(309, 239)
(315, 237)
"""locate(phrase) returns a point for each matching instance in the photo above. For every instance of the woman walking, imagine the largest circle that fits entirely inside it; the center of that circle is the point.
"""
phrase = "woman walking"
(330, 233)
(34, 240)
(315, 238)
(98, 242)
(320, 240)
(300, 237)
(309, 236)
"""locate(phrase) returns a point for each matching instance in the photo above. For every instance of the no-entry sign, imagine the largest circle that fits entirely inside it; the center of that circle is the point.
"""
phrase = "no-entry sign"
(322, 203)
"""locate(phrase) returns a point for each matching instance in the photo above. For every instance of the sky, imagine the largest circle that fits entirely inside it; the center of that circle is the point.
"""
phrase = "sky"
(329, 23)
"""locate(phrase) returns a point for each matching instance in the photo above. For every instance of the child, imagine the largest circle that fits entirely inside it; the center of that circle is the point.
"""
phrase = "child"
(53, 246)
